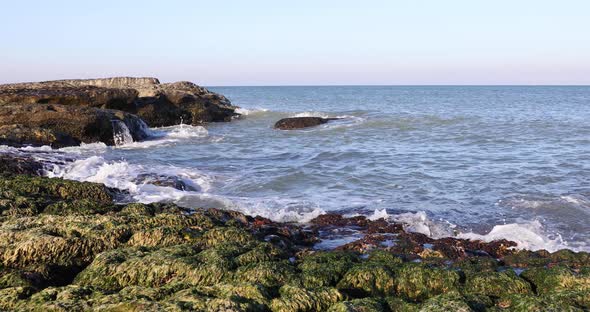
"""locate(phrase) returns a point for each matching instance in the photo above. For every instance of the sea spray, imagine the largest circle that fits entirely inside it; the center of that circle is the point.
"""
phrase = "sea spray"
(121, 133)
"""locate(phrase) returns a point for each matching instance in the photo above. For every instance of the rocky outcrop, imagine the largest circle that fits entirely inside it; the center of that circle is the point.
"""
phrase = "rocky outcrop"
(301, 122)
(67, 112)
(158, 104)
(66, 125)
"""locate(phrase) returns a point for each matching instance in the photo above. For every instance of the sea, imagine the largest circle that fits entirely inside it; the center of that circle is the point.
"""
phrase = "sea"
(479, 162)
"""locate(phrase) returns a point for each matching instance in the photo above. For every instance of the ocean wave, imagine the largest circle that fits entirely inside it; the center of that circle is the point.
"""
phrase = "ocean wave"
(527, 235)
(140, 181)
(530, 235)
(250, 111)
(276, 208)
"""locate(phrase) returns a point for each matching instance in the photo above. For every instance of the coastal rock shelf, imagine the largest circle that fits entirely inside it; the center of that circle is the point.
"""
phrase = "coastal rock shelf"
(67, 112)
(65, 246)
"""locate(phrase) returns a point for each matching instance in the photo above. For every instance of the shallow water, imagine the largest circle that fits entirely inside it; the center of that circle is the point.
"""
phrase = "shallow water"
(502, 162)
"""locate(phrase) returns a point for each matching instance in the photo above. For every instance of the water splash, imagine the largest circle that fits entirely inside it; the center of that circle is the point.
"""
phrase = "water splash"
(121, 133)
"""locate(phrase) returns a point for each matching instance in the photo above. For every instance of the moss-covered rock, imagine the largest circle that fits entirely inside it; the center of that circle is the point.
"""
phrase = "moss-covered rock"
(497, 284)
(530, 303)
(417, 282)
(359, 305)
(269, 274)
(368, 279)
(297, 299)
(446, 302)
(325, 268)
(547, 280)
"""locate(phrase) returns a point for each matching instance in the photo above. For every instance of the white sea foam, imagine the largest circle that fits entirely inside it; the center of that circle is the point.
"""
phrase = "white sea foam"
(186, 131)
(136, 179)
(419, 222)
(311, 114)
(529, 235)
(379, 214)
(250, 111)
(275, 208)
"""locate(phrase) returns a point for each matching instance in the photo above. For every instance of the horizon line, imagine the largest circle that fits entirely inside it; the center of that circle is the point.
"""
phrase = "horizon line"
(403, 85)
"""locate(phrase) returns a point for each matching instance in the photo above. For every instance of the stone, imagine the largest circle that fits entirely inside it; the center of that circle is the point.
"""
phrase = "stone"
(300, 122)
(17, 164)
(19, 135)
(73, 123)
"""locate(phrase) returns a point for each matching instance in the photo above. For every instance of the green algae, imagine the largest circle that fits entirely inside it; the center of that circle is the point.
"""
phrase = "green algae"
(496, 284)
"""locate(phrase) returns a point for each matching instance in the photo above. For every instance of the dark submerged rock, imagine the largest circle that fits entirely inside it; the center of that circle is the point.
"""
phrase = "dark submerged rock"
(300, 122)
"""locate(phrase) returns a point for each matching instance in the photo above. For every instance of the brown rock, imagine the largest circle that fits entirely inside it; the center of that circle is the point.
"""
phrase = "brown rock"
(300, 122)
(46, 93)
(14, 164)
(18, 135)
(75, 123)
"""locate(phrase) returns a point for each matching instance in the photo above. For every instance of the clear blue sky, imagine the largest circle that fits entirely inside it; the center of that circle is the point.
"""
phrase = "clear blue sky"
(299, 42)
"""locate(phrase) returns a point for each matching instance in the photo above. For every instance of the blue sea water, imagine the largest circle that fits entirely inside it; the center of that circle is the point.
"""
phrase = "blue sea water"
(475, 161)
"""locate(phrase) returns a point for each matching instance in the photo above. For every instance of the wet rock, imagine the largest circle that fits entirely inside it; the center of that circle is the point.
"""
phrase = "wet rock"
(69, 125)
(267, 274)
(16, 164)
(294, 298)
(364, 305)
(497, 284)
(522, 302)
(300, 122)
(546, 280)
(18, 135)
(325, 268)
(417, 282)
(368, 279)
(444, 303)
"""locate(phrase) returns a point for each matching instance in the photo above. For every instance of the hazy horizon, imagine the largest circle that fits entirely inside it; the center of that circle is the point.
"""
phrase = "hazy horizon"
(264, 43)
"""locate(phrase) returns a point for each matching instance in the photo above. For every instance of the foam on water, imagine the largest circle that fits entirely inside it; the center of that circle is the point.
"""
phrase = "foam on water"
(250, 111)
(138, 180)
(528, 235)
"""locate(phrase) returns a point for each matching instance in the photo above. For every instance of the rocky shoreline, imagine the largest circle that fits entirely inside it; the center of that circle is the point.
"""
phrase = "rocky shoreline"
(69, 246)
(66, 246)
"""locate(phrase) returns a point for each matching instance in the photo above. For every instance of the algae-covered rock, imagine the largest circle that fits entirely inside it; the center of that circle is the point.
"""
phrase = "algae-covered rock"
(530, 303)
(12, 298)
(359, 305)
(497, 284)
(368, 279)
(397, 304)
(296, 299)
(446, 302)
(325, 268)
(417, 282)
(54, 189)
(556, 279)
(116, 269)
(268, 274)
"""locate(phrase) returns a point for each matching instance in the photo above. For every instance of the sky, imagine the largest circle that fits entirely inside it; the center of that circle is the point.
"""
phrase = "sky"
(305, 42)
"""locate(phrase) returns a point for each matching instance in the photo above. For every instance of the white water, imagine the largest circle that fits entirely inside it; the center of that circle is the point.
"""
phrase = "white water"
(121, 133)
